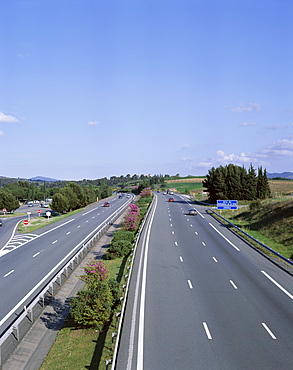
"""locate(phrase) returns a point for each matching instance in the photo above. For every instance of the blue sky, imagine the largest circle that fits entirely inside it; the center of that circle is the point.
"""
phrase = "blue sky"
(92, 88)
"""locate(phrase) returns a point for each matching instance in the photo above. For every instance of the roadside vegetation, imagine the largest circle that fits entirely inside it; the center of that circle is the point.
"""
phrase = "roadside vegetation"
(87, 337)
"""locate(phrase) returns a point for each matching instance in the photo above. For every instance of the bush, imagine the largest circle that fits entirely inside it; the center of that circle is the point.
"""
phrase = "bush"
(120, 248)
(255, 204)
(93, 306)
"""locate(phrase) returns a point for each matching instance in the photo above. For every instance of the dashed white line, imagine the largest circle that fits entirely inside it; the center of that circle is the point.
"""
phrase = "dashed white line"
(181, 259)
(233, 284)
(55, 241)
(176, 244)
(207, 330)
(36, 254)
(189, 283)
(87, 221)
(78, 226)
(171, 225)
(173, 232)
(8, 273)
(203, 243)
(278, 285)
(214, 258)
(196, 233)
(268, 330)
(68, 233)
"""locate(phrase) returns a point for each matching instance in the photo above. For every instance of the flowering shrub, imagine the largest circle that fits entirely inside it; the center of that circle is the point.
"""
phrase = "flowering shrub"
(131, 221)
(145, 192)
(93, 306)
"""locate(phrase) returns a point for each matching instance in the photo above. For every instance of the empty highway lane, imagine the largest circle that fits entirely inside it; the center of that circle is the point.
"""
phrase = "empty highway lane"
(200, 298)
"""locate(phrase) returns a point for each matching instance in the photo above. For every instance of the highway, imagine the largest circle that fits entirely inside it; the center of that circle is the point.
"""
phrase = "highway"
(29, 263)
(200, 298)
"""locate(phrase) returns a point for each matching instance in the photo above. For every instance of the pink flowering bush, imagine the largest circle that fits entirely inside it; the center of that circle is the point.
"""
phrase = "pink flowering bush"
(132, 219)
(95, 271)
(146, 192)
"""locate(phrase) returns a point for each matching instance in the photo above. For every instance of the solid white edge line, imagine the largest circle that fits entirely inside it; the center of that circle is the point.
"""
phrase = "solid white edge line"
(207, 330)
(140, 342)
(234, 246)
(277, 284)
(268, 330)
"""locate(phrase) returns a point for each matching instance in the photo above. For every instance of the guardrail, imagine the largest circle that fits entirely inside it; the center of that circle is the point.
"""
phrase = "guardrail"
(23, 320)
(255, 240)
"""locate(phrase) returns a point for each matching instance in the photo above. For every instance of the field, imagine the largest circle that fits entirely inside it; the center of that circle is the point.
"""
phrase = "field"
(281, 187)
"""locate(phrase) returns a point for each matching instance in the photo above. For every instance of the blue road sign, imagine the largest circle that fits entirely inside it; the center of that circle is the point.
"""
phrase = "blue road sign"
(227, 204)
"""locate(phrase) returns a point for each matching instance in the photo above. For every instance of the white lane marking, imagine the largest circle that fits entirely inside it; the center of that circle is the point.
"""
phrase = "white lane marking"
(191, 225)
(203, 243)
(87, 221)
(214, 258)
(207, 330)
(8, 273)
(278, 285)
(176, 244)
(55, 241)
(268, 330)
(93, 217)
(181, 259)
(78, 226)
(140, 344)
(196, 233)
(187, 219)
(173, 232)
(89, 211)
(36, 254)
(170, 219)
(190, 285)
(68, 233)
(233, 284)
(234, 246)
(171, 225)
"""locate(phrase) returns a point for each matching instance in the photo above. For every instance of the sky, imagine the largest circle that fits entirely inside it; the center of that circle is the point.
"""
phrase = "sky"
(101, 88)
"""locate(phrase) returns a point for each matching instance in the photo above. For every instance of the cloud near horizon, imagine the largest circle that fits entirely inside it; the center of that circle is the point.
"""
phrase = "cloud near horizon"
(93, 123)
(6, 118)
(244, 107)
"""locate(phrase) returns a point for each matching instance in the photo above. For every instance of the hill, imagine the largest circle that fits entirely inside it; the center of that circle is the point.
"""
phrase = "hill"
(42, 178)
(283, 175)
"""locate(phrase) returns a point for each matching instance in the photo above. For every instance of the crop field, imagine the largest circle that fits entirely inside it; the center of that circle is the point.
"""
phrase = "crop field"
(281, 187)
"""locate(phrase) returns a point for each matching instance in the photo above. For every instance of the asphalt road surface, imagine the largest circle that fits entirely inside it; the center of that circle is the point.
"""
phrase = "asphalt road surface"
(28, 265)
(200, 298)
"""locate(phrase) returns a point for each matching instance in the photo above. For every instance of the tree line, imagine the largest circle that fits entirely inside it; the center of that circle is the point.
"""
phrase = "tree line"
(235, 182)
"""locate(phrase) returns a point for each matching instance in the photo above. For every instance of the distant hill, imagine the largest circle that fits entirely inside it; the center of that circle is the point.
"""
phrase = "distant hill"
(283, 175)
(42, 178)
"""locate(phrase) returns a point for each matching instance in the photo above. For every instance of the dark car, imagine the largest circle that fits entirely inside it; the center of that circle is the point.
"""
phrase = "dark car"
(192, 211)
(106, 204)
(0, 223)
(171, 199)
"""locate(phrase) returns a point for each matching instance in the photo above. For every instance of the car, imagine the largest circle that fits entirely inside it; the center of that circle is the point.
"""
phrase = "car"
(30, 204)
(45, 205)
(106, 204)
(192, 211)
(0, 223)
(165, 193)
(171, 199)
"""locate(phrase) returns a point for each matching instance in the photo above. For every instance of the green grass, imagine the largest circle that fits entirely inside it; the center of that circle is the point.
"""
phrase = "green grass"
(77, 348)
(272, 224)
(182, 187)
(41, 221)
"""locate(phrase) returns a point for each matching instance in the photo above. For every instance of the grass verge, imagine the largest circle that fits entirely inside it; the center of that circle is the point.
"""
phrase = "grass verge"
(77, 348)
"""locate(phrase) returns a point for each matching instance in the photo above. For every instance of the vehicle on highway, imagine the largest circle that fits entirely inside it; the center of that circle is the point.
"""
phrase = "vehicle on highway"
(30, 204)
(171, 199)
(0, 223)
(45, 205)
(192, 211)
(106, 204)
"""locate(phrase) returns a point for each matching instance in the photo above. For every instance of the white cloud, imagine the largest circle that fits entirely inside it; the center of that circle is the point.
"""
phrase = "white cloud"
(274, 127)
(7, 118)
(185, 146)
(244, 124)
(280, 148)
(93, 123)
(244, 107)
(1, 133)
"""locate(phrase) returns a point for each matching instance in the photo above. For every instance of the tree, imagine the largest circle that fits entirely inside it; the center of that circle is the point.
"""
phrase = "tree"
(59, 203)
(8, 201)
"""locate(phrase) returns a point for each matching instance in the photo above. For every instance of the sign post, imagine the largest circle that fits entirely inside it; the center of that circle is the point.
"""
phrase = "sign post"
(227, 204)
(28, 213)
(39, 212)
(48, 214)
(4, 211)
(25, 222)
